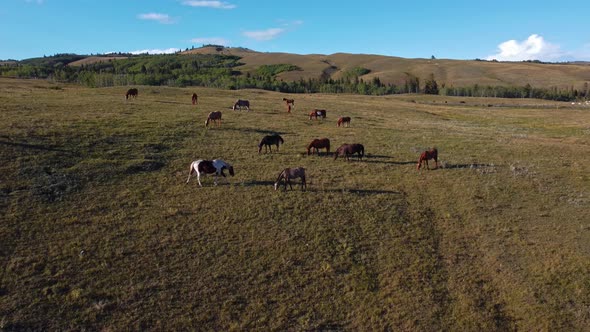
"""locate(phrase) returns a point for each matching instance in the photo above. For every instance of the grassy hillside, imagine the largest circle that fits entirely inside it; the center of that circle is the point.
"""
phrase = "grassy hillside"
(100, 231)
(393, 69)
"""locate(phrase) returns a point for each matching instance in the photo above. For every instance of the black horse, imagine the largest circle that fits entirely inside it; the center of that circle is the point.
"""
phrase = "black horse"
(270, 140)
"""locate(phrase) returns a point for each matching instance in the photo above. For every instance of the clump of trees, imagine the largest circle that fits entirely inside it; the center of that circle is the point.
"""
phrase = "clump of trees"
(219, 71)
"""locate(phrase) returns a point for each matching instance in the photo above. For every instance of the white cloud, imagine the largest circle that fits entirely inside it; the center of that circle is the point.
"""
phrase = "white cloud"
(162, 18)
(211, 40)
(156, 51)
(267, 34)
(210, 4)
(533, 48)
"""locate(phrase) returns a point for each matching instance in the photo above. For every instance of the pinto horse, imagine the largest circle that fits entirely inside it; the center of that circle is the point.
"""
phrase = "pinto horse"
(317, 113)
(195, 98)
(291, 173)
(427, 155)
(347, 150)
(317, 144)
(205, 167)
(270, 140)
(344, 120)
(131, 93)
(215, 117)
(241, 103)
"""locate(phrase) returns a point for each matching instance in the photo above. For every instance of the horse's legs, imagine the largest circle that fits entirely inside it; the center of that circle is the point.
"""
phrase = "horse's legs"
(190, 172)
(199, 178)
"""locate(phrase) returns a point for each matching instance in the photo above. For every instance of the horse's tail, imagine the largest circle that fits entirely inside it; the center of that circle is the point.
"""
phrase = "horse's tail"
(282, 140)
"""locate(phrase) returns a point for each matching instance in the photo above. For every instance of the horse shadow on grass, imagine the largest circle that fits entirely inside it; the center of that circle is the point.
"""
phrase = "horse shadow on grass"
(380, 159)
(259, 131)
(471, 166)
(34, 146)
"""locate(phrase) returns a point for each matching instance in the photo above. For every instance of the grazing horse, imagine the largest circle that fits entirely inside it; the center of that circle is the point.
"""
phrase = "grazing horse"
(348, 150)
(195, 98)
(317, 144)
(344, 120)
(291, 173)
(427, 155)
(131, 93)
(241, 103)
(205, 167)
(317, 113)
(215, 117)
(270, 140)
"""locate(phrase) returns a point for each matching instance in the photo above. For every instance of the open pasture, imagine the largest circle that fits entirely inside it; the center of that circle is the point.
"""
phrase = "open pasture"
(99, 230)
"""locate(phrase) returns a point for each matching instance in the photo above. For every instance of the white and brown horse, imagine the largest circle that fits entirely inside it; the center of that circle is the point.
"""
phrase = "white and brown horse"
(215, 117)
(291, 173)
(216, 166)
(241, 103)
(317, 114)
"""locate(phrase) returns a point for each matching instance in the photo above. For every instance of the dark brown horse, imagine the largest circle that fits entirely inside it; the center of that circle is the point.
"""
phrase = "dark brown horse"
(215, 117)
(131, 93)
(195, 98)
(241, 103)
(291, 173)
(317, 113)
(427, 155)
(317, 144)
(344, 120)
(268, 141)
(347, 150)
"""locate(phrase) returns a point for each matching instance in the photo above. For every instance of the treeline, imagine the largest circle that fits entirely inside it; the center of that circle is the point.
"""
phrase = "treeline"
(219, 71)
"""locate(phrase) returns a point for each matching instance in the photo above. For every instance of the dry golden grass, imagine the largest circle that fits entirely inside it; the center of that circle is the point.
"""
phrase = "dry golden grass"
(100, 232)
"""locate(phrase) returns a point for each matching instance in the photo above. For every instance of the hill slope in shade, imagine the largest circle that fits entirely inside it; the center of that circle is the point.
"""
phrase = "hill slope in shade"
(395, 70)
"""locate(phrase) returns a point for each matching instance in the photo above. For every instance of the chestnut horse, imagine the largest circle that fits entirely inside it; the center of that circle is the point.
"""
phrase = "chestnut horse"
(205, 167)
(347, 150)
(317, 144)
(317, 113)
(131, 93)
(344, 120)
(270, 140)
(427, 155)
(291, 173)
(289, 102)
(195, 98)
(215, 117)
(241, 103)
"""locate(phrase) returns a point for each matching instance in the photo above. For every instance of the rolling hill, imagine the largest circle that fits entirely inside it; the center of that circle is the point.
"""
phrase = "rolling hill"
(395, 69)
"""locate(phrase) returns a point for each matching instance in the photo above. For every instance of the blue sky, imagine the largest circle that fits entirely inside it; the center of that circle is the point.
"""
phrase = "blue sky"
(504, 30)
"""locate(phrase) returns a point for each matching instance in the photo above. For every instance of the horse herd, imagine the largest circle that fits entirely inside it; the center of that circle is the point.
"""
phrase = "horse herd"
(218, 166)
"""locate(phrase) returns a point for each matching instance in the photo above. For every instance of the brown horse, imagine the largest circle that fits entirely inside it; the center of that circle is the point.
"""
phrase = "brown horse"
(131, 93)
(317, 144)
(289, 102)
(344, 120)
(215, 117)
(291, 173)
(195, 98)
(317, 113)
(427, 155)
(241, 103)
(268, 141)
(348, 150)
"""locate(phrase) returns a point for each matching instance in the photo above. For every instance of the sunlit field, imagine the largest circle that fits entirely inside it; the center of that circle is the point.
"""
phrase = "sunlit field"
(100, 230)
